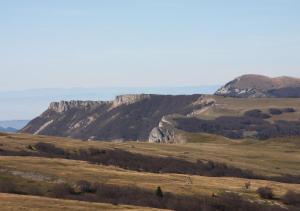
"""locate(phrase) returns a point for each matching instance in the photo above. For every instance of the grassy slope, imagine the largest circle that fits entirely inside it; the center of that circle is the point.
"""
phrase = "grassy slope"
(226, 106)
(259, 155)
(272, 157)
(71, 171)
(11, 202)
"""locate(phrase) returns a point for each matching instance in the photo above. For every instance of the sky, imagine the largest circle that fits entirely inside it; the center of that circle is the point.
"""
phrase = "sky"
(128, 43)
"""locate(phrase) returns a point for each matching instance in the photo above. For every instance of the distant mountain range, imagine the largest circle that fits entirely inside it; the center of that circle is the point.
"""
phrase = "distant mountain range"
(8, 130)
(158, 118)
(12, 125)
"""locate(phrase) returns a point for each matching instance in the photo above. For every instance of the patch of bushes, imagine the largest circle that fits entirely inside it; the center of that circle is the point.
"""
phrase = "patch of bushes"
(256, 113)
(62, 190)
(265, 193)
(113, 194)
(288, 110)
(7, 186)
(49, 148)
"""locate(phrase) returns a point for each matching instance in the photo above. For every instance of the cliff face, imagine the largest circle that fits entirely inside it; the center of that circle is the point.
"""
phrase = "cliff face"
(128, 117)
(261, 86)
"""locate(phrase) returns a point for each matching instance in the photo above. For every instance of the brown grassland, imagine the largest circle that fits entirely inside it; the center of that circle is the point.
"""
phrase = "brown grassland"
(271, 157)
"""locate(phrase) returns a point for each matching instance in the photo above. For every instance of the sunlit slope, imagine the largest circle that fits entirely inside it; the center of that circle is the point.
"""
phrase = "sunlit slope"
(279, 156)
(11, 202)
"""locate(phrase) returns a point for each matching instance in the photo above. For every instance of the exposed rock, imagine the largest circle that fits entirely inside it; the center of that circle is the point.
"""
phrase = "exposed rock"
(164, 133)
(129, 99)
(63, 106)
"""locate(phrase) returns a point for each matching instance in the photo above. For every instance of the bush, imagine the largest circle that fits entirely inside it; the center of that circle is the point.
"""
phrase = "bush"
(30, 147)
(7, 187)
(288, 110)
(62, 190)
(265, 193)
(49, 148)
(291, 198)
(275, 111)
(256, 113)
(247, 185)
(85, 187)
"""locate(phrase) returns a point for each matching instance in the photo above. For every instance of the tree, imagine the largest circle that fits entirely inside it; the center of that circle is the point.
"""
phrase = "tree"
(159, 192)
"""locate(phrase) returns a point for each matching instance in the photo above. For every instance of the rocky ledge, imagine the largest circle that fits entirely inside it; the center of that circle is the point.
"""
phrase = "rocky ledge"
(63, 106)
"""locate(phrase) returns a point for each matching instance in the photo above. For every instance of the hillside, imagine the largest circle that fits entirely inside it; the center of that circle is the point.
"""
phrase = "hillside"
(261, 86)
(42, 165)
(128, 117)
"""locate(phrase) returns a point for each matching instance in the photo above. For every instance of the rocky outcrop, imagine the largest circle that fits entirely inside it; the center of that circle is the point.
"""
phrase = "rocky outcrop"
(64, 106)
(164, 133)
(258, 86)
(129, 99)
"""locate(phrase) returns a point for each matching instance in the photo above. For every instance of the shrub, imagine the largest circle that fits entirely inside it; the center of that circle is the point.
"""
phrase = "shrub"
(30, 147)
(265, 193)
(85, 187)
(291, 198)
(247, 185)
(62, 190)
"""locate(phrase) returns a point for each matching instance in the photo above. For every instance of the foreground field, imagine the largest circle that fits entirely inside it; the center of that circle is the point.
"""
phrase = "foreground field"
(33, 175)
(11, 202)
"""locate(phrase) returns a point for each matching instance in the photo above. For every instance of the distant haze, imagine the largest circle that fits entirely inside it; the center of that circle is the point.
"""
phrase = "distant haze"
(16, 105)
(71, 43)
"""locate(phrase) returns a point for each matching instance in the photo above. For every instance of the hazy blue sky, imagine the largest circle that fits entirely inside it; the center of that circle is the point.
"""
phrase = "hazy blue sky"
(83, 43)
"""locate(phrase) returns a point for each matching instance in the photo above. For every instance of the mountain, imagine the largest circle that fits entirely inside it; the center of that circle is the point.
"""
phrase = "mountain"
(128, 117)
(261, 86)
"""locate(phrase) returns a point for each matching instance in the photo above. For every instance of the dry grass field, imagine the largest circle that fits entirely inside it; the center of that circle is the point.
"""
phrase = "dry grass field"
(270, 158)
(11, 202)
(45, 170)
